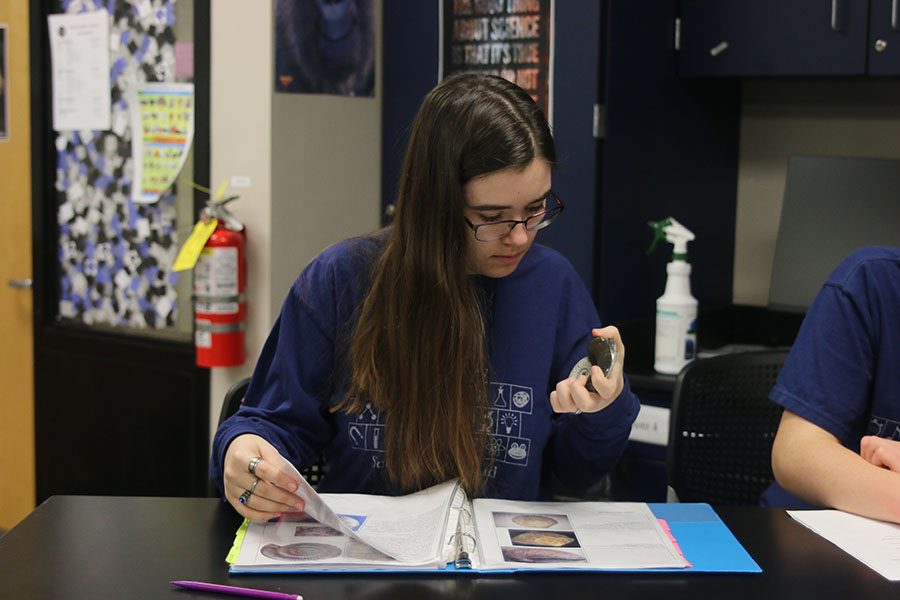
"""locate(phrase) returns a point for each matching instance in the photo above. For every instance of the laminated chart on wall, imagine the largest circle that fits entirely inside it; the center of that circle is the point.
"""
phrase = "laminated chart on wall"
(115, 255)
(162, 125)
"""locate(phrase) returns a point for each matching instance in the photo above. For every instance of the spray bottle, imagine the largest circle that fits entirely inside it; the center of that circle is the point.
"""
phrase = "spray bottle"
(676, 309)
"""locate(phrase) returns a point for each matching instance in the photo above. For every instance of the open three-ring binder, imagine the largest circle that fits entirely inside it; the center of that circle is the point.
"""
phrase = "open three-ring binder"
(441, 530)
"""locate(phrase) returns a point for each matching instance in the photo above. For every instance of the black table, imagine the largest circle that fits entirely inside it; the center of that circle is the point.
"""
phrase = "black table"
(129, 548)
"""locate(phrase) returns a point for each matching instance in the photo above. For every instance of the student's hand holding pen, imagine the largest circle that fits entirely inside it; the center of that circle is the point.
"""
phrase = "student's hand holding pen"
(573, 396)
(256, 483)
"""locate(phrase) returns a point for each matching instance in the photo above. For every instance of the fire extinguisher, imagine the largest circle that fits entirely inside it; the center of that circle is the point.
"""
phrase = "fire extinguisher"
(220, 283)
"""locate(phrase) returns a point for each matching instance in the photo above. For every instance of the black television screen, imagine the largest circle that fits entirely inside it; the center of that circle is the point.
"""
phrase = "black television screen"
(832, 206)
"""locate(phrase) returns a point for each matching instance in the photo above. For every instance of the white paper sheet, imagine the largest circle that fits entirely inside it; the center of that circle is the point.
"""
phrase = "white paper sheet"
(79, 51)
(874, 543)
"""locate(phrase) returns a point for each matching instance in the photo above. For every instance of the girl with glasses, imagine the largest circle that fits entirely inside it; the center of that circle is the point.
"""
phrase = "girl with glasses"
(440, 347)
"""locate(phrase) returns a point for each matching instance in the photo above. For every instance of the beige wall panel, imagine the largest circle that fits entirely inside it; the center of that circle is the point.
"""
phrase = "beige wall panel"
(781, 119)
(314, 162)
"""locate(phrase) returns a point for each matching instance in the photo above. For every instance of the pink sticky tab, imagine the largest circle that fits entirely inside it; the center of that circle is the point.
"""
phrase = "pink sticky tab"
(668, 531)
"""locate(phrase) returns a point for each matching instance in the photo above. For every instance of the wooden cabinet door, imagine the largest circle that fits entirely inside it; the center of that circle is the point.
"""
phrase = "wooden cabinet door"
(884, 37)
(16, 366)
(746, 38)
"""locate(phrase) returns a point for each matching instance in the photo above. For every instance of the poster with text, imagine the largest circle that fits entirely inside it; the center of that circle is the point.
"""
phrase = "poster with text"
(509, 38)
(325, 47)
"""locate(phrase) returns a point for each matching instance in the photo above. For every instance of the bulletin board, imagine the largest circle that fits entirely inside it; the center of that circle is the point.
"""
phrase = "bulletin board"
(114, 254)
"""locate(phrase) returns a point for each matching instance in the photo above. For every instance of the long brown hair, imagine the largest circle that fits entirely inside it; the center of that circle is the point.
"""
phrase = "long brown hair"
(418, 352)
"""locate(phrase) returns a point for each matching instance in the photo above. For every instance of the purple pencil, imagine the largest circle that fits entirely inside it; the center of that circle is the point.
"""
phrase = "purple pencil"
(235, 591)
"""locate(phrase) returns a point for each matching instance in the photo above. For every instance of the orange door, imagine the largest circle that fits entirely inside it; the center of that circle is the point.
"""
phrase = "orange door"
(17, 483)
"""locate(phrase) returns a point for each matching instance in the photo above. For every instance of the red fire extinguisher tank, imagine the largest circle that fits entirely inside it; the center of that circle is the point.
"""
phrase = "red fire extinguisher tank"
(220, 305)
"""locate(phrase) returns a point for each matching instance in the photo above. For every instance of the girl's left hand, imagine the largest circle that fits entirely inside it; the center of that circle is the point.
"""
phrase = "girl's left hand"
(572, 395)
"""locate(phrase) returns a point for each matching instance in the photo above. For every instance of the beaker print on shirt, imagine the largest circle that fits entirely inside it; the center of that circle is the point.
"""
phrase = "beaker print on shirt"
(500, 400)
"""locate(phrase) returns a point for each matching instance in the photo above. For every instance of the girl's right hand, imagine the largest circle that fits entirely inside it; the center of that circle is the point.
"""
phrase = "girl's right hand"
(273, 488)
(880, 452)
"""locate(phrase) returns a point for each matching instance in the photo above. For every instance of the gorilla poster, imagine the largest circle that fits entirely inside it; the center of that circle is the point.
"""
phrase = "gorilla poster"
(325, 47)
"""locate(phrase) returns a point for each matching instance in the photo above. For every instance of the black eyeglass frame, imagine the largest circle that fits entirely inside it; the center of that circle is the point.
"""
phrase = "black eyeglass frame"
(513, 223)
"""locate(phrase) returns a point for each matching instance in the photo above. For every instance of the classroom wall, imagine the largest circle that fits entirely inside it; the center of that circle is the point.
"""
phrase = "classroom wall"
(326, 174)
(240, 143)
(313, 162)
(859, 118)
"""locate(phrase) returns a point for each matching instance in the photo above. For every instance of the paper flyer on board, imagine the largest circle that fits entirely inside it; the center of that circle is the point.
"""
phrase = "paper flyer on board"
(79, 53)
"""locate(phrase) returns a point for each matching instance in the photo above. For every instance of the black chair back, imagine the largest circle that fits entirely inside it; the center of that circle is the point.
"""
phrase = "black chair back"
(722, 427)
(234, 397)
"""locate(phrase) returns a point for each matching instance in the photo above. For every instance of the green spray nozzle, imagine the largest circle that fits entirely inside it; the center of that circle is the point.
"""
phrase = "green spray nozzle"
(659, 233)
(673, 232)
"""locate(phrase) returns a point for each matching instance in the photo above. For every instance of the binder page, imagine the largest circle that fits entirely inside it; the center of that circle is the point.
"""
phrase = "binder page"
(352, 531)
(409, 528)
(571, 535)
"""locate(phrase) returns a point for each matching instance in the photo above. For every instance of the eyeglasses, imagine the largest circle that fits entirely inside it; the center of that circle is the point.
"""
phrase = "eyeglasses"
(488, 232)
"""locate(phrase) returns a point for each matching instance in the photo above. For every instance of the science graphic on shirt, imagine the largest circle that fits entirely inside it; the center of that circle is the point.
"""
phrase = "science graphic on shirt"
(366, 430)
(510, 405)
(885, 428)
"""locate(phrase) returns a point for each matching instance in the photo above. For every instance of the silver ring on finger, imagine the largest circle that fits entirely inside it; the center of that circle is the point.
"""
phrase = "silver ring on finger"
(254, 462)
(245, 497)
(252, 489)
(577, 411)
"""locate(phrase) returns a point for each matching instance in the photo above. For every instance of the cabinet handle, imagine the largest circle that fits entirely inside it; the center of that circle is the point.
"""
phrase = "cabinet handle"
(718, 48)
(20, 284)
(895, 21)
(837, 14)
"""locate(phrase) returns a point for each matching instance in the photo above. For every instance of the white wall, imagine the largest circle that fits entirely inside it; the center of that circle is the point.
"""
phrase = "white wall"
(799, 117)
(326, 174)
(314, 164)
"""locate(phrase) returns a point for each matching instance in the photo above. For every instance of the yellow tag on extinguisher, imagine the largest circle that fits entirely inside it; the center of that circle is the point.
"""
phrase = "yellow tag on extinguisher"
(190, 251)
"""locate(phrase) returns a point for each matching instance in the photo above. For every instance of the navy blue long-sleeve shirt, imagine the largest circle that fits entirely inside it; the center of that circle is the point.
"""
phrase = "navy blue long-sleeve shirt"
(539, 321)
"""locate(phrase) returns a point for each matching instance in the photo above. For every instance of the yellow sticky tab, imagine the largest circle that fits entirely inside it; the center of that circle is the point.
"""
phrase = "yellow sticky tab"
(190, 251)
(238, 542)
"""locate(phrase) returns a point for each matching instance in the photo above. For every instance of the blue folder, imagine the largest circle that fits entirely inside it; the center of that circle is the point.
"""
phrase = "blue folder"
(704, 539)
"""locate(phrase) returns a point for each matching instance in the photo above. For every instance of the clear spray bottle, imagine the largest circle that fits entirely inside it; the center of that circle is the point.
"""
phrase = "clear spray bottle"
(676, 309)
